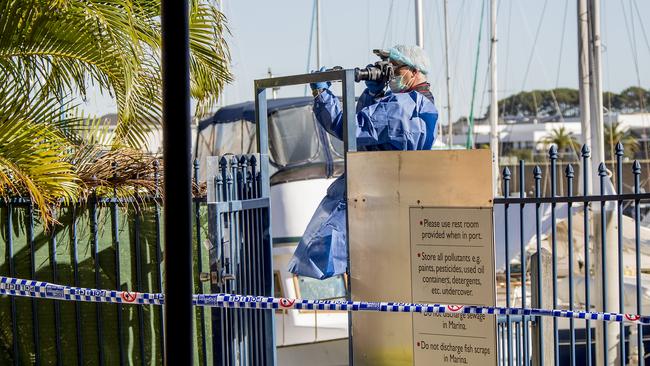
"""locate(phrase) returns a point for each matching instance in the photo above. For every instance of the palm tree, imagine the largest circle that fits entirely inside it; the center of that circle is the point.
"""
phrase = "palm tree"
(615, 133)
(563, 140)
(53, 51)
(66, 46)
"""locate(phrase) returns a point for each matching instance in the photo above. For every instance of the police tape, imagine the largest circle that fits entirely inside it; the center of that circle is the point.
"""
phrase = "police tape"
(45, 290)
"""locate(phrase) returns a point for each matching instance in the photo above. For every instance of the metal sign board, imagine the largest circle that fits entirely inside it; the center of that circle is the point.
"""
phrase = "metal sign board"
(389, 193)
(452, 262)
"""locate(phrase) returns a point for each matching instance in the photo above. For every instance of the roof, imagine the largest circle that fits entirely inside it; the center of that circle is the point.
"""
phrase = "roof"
(109, 119)
(246, 110)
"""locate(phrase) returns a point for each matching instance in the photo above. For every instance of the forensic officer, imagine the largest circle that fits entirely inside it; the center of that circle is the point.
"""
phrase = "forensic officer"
(404, 117)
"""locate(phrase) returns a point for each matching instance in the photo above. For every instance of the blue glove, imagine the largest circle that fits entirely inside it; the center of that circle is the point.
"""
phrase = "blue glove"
(375, 87)
(320, 84)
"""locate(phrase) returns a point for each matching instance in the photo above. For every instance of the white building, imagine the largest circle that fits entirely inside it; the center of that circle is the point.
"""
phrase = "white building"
(154, 139)
(528, 133)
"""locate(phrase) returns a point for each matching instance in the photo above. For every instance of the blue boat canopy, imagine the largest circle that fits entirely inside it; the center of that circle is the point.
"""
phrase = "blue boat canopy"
(246, 111)
(299, 147)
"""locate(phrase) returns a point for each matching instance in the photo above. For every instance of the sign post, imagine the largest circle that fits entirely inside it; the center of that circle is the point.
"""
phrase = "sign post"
(421, 230)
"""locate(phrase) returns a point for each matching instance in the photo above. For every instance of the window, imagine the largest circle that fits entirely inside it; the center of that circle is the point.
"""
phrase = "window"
(328, 289)
(292, 137)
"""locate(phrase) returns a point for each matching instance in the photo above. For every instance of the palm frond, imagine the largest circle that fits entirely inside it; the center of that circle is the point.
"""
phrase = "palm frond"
(614, 133)
(209, 55)
(67, 46)
(33, 153)
(563, 139)
(51, 50)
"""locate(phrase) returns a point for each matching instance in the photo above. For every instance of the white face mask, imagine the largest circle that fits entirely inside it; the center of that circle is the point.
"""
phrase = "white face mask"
(396, 84)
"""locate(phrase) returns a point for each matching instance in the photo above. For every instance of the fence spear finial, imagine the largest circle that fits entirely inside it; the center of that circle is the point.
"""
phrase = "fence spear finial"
(569, 171)
(636, 168)
(620, 151)
(234, 161)
(602, 171)
(506, 174)
(552, 152)
(223, 162)
(243, 160)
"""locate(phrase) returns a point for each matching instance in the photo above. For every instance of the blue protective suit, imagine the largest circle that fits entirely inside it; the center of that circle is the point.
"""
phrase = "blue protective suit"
(401, 121)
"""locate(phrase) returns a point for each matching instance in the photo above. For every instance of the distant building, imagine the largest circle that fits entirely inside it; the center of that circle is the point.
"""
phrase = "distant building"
(524, 133)
(154, 141)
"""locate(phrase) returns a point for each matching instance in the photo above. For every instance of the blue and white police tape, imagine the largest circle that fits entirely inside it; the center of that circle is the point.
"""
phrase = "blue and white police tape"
(39, 289)
(46, 290)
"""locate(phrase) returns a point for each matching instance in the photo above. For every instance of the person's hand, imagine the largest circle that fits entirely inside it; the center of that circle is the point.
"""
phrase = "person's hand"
(320, 84)
(375, 87)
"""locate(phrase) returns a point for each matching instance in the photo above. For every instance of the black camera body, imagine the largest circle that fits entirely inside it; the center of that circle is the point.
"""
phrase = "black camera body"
(381, 71)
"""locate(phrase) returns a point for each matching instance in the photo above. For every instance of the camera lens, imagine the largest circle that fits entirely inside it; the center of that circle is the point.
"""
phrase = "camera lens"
(371, 73)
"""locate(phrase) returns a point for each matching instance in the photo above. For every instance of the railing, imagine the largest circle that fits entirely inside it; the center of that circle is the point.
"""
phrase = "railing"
(108, 243)
(115, 243)
(104, 242)
(523, 341)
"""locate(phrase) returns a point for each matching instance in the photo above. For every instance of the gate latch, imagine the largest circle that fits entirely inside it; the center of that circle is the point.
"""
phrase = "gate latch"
(220, 276)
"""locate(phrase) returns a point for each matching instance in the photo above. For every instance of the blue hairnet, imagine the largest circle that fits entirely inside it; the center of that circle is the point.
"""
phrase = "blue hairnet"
(412, 56)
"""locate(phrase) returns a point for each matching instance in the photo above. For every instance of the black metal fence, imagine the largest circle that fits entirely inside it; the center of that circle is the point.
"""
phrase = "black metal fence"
(115, 243)
(106, 243)
(240, 260)
(574, 279)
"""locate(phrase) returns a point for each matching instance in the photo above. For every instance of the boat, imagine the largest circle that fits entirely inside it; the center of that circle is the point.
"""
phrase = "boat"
(305, 160)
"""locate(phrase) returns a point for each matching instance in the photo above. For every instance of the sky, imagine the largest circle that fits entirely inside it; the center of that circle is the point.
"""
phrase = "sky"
(537, 44)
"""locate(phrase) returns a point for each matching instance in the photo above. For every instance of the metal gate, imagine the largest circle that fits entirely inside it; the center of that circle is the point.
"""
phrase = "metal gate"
(240, 259)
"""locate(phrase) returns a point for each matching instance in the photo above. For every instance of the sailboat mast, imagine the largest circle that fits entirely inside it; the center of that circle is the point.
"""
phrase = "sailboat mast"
(318, 64)
(494, 104)
(583, 73)
(419, 32)
(604, 225)
(596, 94)
(449, 122)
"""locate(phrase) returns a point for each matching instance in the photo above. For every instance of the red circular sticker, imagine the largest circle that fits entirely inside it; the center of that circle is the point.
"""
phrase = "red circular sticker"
(632, 317)
(286, 303)
(128, 296)
(454, 308)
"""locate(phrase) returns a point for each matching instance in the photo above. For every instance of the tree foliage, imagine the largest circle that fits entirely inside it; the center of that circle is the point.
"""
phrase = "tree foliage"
(64, 47)
(632, 99)
(546, 103)
(52, 52)
(33, 153)
(563, 139)
(615, 133)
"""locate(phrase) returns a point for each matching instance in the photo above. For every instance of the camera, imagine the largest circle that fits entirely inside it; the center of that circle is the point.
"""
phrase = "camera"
(381, 71)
